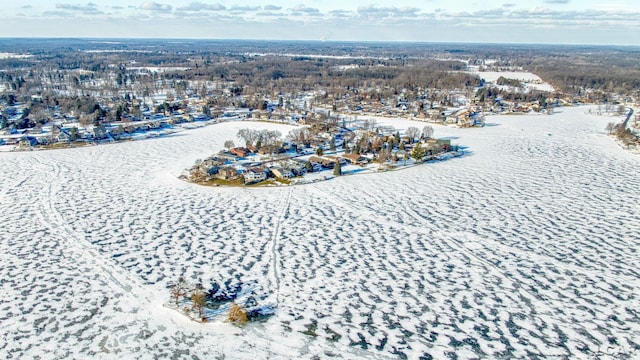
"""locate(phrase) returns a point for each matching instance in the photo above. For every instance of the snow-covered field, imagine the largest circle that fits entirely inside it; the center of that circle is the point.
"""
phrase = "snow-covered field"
(527, 247)
(530, 80)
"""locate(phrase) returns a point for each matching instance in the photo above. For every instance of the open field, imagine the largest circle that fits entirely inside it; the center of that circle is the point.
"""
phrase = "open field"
(529, 246)
(530, 80)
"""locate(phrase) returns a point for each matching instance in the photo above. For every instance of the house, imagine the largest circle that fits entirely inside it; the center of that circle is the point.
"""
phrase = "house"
(270, 149)
(356, 159)
(44, 140)
(254, 174)
(239, 151)
(434, 146)
(27, 142)
(336, 159)
(227, 173)
(99, 132)
(281, 173)
(63, 136)
(226, 156)
(325, 162)
(298, 168)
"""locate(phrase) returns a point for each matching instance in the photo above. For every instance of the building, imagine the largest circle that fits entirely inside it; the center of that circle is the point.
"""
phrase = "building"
(227, 173)
(253, 175)
(281, 173)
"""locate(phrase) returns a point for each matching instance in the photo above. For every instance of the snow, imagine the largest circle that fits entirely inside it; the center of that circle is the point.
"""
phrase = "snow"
(525, 247)
(530, 80)
(493, 76)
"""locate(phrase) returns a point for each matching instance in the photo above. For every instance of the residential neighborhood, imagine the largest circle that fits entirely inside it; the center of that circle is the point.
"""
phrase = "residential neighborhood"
(307, 156)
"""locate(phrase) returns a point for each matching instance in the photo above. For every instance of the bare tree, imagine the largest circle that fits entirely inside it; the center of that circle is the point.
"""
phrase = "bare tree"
(179, 289)
(610, 127)
(299, 135)
(412, 132)
(608, 107)
(427, 131)
(229, 144)
(266, 137)
(383, 156)
(249, 136)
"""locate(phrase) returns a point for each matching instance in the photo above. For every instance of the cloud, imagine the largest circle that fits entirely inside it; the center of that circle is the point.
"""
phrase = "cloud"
(154, 6)
(57, 13)
(341, 13)
(300, 8)
(237, 8)
(199, 6)
(88, 9)
(270, 14)
(508, 5)
(387, 12)
(541, 17)
(271, 8)
(490, 13)
(557, 1)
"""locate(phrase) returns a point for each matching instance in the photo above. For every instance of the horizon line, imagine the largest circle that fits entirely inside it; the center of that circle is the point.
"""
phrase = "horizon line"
(312, 40)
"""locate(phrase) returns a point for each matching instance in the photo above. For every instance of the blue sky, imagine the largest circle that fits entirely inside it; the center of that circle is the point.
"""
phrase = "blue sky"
(507, 21)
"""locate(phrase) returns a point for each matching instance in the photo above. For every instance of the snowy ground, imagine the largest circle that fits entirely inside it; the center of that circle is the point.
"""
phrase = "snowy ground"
(530, 80)
(526, 247)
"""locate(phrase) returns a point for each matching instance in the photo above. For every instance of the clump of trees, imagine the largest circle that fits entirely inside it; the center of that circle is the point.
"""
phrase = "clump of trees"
(259, 138)
(508, 82)
(196, 300)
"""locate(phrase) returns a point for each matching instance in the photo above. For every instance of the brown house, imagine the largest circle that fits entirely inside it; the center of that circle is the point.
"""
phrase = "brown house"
(239, 151)
(356, 159)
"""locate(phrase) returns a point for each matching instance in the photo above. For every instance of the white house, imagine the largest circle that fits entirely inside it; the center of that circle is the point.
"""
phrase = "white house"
(254, 175)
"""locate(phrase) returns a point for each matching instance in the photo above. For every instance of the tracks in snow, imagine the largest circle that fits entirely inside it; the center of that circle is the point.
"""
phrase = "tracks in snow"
(275, 276)
(75, 245)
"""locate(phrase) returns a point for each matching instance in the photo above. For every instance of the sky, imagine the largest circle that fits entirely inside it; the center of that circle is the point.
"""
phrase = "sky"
(609, 22)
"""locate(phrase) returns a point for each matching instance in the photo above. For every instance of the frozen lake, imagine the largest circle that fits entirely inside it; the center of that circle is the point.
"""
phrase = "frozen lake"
(527, 247)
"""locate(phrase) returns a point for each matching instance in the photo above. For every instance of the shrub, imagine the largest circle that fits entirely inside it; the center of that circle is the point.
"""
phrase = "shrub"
(237, 315)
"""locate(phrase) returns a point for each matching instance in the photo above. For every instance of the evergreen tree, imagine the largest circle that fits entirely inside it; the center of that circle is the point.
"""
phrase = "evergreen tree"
(73, 134)
(337, 170)
(417, 153)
